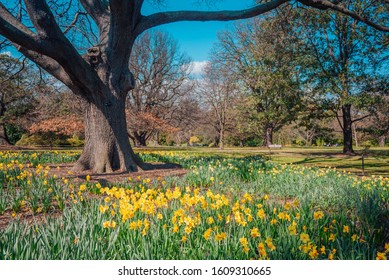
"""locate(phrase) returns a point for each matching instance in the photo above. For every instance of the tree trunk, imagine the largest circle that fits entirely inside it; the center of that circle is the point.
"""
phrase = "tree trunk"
(107, 147)
(347, 130)
(355, 136)
(381, 141)
(216, 140)
(139, 139)
(221, 139)
(268, 137)
(3, 132)
(3, 135)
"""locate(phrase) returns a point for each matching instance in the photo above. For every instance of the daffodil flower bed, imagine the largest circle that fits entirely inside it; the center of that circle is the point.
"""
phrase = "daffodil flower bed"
(224, 208)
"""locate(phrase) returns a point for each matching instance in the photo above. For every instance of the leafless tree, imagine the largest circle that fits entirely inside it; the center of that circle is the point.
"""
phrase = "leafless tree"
(102, 76)
(161, 73)
(218, 90)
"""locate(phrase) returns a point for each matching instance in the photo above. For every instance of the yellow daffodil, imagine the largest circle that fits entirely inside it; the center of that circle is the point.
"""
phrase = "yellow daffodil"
(304, 237)
(220, 236)
(381, 256)
(318, 215)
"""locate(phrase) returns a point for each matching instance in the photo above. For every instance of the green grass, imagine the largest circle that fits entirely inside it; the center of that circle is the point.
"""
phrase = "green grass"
(259, 210)
(376, 160)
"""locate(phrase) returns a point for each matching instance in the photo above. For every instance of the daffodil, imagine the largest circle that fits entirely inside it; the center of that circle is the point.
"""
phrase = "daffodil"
(381, 256)
(304, 237)
(220, 236)
(255, 233)
(243, 241)
(318, 215)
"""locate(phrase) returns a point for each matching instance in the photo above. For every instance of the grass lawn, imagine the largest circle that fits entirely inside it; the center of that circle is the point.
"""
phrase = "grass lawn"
(376, 159)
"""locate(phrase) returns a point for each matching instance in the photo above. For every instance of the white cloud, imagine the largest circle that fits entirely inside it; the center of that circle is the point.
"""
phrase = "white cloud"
(6, 53)
(197, 67)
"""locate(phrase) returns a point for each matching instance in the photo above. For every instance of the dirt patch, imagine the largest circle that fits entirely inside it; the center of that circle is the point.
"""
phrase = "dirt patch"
(15, 148)
(159, 170)
(26, 216)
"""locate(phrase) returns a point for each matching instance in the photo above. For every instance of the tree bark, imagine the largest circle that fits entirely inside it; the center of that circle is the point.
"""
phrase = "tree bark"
(381, 141)
(221, 139)
(3, 136)
(107, 147)
(355, 136)
(268, 137)
(139, 139)
(347, 130)
(3, 132)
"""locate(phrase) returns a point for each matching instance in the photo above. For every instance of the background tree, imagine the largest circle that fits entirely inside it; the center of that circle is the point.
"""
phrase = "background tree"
(378, 124)
(101, 76)
(187, 116)
(262, 54)
(17, 98)
(162, 73)
(56, 127)
(347, 56)
(218, 91)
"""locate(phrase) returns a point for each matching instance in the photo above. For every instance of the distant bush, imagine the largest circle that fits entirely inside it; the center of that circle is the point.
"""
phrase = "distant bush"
(368, 143)
(49, 139)
(194, 140)
(75, 141)
(253, 142)
(14, 133)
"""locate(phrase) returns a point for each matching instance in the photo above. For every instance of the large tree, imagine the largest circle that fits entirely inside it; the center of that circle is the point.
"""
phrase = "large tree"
(263, 55)
(102, 76)
(347, 57)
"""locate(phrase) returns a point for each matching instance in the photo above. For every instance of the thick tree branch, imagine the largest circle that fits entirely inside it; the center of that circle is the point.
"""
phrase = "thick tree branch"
(49, 65)
(125, 15)
(53, 44)
(43, 20)
(169, 17)
(15, 31)
(98, 10)
(333, 5)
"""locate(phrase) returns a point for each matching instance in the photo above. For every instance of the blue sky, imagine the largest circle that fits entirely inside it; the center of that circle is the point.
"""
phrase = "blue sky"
(197, 38)
(194, 38)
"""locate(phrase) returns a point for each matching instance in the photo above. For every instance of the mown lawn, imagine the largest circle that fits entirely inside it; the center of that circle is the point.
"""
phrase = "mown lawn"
(376, 160)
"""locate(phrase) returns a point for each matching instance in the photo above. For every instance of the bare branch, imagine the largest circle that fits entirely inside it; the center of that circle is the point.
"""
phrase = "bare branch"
(22, 67)
(361, 118)
(169, 17)
(323, 4)
(73, 23)
(98, 10)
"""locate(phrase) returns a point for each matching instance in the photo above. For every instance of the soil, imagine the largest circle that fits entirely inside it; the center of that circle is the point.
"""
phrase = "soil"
(159, 170)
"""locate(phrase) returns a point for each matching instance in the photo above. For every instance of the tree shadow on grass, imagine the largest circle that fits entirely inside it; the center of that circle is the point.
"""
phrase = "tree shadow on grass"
(154, 170)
